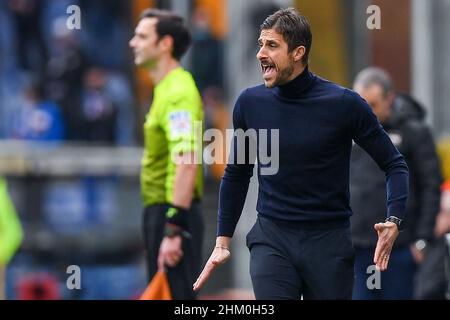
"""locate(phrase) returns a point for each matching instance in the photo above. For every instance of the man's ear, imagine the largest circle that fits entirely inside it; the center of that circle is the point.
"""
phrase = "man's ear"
(299, 53)
(166, 43)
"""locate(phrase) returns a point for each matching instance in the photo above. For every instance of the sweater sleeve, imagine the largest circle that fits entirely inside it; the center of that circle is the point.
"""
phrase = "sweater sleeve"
(368, 133)
(235, 182)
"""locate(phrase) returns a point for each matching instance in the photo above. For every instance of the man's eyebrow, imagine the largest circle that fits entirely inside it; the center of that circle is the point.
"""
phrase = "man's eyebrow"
(268, 41)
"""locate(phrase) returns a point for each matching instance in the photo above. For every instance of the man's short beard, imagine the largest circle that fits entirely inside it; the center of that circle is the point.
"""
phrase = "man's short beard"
(283, 76)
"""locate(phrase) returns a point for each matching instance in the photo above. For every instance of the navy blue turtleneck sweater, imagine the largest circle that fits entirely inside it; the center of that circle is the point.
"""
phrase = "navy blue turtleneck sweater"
(317, 121)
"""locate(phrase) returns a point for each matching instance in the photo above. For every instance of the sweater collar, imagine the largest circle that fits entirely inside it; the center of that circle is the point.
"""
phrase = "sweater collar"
(296, 87)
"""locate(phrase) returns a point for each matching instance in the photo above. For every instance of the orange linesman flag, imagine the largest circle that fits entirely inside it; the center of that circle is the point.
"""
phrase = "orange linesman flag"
(158, 289)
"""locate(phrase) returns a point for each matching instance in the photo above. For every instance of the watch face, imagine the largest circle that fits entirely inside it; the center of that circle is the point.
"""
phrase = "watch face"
(395, 220)
(171, 231)
(420, 245)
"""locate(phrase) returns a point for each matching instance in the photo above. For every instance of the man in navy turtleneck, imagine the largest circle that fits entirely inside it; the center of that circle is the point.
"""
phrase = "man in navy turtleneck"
(300, 245)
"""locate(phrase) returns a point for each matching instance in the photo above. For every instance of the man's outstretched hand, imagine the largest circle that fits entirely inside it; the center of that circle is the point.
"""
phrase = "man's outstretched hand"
(220, 255)
(387, 233)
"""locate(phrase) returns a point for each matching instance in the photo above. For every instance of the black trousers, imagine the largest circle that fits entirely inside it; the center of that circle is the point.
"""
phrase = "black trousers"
(182, 277)
(287, 263)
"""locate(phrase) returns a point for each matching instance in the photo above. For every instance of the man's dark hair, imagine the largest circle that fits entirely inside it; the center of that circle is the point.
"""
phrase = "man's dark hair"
(294, 27)
(170, 24)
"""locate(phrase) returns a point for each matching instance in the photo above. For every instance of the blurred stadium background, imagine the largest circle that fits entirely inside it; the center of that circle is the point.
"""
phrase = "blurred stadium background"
(72, 107)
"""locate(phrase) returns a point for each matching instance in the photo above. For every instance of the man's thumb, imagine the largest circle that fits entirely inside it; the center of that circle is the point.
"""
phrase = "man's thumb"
(378, 227)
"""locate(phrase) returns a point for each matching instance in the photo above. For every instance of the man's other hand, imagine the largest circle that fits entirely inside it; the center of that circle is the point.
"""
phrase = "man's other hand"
(170, 252)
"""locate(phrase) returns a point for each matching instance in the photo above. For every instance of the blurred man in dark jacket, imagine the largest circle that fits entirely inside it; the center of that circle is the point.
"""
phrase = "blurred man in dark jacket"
(403, 119)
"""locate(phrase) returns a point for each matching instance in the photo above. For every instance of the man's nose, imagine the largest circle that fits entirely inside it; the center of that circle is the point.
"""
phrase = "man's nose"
(131, 43)
(261, 54)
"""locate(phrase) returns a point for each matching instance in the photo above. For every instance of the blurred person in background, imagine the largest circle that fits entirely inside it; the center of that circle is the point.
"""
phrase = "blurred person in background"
(31, 49)
(171, 182)
(403, 119)
(39, 119)
(106, 24)
(64, 75)
(99, 113)
(10, 233)
(206, 52)
(216, 117)
(433, 276)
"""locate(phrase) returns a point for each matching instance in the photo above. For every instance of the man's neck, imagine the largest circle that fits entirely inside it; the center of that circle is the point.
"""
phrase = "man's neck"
(297, 71)
(163, 67)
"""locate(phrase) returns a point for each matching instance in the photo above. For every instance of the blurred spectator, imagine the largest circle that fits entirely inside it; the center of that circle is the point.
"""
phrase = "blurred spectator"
(10, 233)
(7, 36)
(48, 50)
(207, 52)
(39, 119)
(402, 117)
(217, 117)
(31, 49)
(106, 27)
(207, 56)
(64, 75)
(433, 277)
(118, 89)
(98, 109)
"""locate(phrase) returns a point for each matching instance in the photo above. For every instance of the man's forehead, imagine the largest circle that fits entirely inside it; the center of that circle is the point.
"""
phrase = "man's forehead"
(373, 88)
(270, 34)
(373, 91)
(146, 24)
